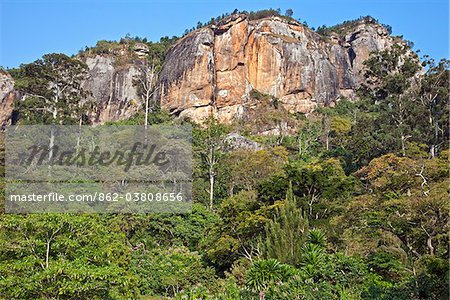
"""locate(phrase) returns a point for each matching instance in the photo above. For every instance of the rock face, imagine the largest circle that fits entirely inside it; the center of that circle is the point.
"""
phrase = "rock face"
(236, 141)
(109, 84)
(7, 97)
(362, 41)
(111, 88)
(214, 69)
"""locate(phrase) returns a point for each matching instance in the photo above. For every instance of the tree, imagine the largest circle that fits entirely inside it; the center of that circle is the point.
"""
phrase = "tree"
(308, 138)
(402, 217)
(390, 75)
(319, 184)
(52, 89)
(289, 13)
(287, 233)
(210, 144)
(63, 257)
(236, 234)
(168, 271)
(326, 128)
(248, 168)
(145, 83)
(433, 93)
(53, 92)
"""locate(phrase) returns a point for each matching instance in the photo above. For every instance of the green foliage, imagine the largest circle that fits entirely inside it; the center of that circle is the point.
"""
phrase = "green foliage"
(289, 12)
(317, 237)
(287, 233)
(251, 15)
(63, 256)
(320, 184)
(168, 271)
(265, 273)
(242, 220)
(103, 47)
(265, 13)
(249, 168)
(52, 89)
(157, 116)
(347, 26)
(349, 202)
(273, 188)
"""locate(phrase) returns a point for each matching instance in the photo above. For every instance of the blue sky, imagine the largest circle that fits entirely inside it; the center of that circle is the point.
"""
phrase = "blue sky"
(29, 29)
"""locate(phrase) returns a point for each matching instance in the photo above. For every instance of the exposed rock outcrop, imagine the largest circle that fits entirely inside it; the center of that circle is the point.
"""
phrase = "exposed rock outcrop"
(7, 97)
(364, 39)
(110, 84)
(235, 141)
(111, 87)
(214, 69)
(140, 49)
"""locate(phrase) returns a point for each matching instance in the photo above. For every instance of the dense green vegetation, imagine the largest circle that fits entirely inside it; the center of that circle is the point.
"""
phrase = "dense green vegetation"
(351, 204)
(251, 15)
(347, 26)
(124, 48)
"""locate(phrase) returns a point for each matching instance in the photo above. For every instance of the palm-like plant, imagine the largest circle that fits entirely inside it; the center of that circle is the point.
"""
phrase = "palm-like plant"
(317, 237)
(312, 255)
(264, 273)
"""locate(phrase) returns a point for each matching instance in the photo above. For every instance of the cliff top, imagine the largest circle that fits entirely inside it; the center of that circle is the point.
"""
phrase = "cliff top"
(137, 47)
(339, 29)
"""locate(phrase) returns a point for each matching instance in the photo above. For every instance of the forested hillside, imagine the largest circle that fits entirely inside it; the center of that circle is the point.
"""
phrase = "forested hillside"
(349, 201)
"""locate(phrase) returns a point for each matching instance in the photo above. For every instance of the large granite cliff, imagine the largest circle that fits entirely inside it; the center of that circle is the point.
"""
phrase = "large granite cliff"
(110, 82)
(214, 69)
(7, 98)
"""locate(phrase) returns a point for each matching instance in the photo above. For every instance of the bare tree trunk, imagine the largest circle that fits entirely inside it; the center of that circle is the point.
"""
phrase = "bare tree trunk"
(52, 135)
(436, 137)
(146, 111)
(430, 245)
(403, 145)
(211, 188)
(211, 159)
(51, 144)
(47, 254)
(146, 121)
(78, 138)
(300, 141)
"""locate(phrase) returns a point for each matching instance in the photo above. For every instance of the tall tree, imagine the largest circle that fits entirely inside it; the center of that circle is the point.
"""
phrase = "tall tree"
(210, 147)
(52, 90)
(433, 93)
(287, 233)
(146, 82)
(390, 74)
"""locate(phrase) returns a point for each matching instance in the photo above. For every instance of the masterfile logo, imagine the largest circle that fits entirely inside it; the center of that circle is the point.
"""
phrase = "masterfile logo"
(98, 169)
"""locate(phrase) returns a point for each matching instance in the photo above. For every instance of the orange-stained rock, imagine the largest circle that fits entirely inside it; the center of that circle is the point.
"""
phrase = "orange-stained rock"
(193, 58)
(229, 60)
(214, 69)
